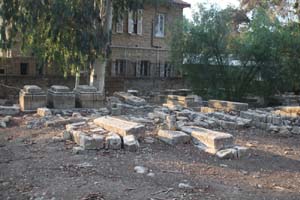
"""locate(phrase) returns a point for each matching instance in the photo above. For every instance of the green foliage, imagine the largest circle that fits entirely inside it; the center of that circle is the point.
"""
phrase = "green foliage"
(265, 52)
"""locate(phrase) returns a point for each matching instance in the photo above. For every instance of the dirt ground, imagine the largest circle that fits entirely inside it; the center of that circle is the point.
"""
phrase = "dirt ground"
(33, 166)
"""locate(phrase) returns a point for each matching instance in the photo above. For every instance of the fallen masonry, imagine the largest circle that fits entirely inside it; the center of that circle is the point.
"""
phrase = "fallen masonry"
(227, 105)
(173, 137)
(211, 141)
(130, 99)
(120, 126)
(9, 110)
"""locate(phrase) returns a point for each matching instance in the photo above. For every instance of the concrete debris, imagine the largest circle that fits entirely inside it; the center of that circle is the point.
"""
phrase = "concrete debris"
(173, 137)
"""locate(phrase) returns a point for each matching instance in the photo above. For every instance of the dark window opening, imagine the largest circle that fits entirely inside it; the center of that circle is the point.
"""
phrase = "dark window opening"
(2, 71)
(24, 68)
(120, 67)
(145, 68)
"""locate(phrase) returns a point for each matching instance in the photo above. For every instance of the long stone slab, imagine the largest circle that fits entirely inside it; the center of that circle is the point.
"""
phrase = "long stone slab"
(130, 99)
(173, 137)
(9, 110)
(120, 126)
(227, 105)
(213, 140)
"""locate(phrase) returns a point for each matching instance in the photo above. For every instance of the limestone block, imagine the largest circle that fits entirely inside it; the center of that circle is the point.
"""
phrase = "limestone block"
(113, 141)
(31, 97)
(60, 97)
(88, 97)
(130, 99)
(43, 112)
(171, 122)
(130, 143)
(227, 105)
(120, 126)
(173, 137)
(213, 140)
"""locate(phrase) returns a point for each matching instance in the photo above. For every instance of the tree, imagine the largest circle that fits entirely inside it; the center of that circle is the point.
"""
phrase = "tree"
(69, 33)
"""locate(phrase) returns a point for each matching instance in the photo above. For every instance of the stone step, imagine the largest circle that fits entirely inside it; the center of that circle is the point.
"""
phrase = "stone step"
(213, 141)
(173, 137)
(120, 126)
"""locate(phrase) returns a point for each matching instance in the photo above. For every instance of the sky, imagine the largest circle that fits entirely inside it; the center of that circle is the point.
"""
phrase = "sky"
(221, 3)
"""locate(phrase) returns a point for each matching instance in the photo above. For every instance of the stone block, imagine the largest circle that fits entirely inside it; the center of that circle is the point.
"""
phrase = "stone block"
(76, 135)
(171, 122)
(99, 141)
(120, 126)
(74, 126)
(213, 140)
(31, 97)
(9, 110)
(130, 143)
(44, 112)
(113, 141)
(62, 122)
(173, 137)
(207, 110)
(227, 105)
(130, 99)
(60, 97)
(88, 97)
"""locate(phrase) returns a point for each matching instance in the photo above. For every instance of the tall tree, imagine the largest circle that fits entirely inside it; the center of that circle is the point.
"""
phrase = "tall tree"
(69, 33)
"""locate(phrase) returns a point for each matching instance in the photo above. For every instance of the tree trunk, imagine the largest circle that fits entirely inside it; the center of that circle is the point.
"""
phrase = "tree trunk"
(97, 76)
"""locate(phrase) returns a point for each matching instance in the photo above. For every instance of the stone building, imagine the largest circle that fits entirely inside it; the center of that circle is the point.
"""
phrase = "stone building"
(140, 49)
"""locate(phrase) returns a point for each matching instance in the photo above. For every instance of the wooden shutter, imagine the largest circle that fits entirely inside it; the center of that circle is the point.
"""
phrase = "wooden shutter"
(130, 22)
(140, 22)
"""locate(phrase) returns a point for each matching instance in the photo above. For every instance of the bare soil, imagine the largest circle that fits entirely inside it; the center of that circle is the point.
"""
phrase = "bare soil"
(33, 166)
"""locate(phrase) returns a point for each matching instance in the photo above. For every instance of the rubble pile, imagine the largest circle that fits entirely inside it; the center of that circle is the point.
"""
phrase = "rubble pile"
(106, 132)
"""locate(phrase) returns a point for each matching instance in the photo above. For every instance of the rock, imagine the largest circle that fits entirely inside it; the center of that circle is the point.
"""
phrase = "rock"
(44, 112)
(7, 119)
(76, 115)
(9, 110)
(231, 153)
(77, 150)
(213, 140)
(149, 140)
(296, 130)
(119, 126)
(3, 124)
(284, 132)
(130, 143)
(113, 141)
(57, 139)
(173, 137)
(185, 186)
(66, 135)
(140, 169)
(151, 174)
(116, 109)
(63, 122)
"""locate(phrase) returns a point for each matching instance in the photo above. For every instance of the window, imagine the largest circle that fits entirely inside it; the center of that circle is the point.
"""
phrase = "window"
(119, 68)
(2, 71)
(24, 68)
(160, 25)
(135, 22)
(119, 26)
(142, 69)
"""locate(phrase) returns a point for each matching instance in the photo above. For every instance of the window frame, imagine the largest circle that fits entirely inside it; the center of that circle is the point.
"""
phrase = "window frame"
(160, 22)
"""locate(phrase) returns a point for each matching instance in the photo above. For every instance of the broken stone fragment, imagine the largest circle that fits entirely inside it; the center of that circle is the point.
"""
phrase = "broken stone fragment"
(75, 126)
(173, 137)
(44, 112)
(130, 143)
(140, 169)
(66, 135)
(237, 152)
(130, 99)
(296, 130)
(113, 141)
(99, 141)
(77, 150)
